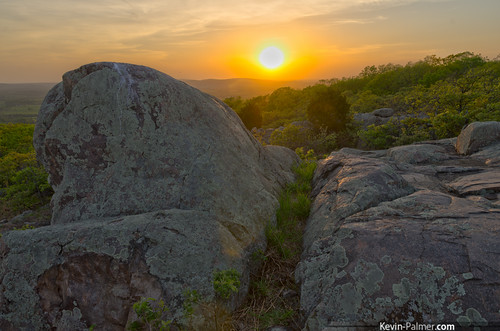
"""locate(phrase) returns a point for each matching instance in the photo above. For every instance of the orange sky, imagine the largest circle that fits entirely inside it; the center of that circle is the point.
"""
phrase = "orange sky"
(198, 39)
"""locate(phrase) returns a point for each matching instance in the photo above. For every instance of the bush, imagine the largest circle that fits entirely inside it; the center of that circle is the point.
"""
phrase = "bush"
(292, 136)
(448, 124)
(380, 137)
(329, 109)
(152, 315)
(250, 114)
(226, 282)
(23, 181)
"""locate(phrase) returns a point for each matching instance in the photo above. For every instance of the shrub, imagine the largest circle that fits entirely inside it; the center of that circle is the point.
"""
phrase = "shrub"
(380, 137)
(292, 136)
(250, 114)
(23, 181)
(151, 314)
(449, 124)
(226, 282)
(328, 108)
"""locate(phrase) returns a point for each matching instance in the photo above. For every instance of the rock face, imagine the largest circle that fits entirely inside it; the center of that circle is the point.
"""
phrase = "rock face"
(404, 235)
(156, 187)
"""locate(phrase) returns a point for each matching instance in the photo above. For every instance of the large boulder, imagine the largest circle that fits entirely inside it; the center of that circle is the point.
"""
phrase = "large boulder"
(157, 186)
(118, 139)
(409, 235)
(476, 136)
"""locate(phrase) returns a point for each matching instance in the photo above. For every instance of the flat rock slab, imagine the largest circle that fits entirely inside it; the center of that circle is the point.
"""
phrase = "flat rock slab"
(418, 153)
(481, 183)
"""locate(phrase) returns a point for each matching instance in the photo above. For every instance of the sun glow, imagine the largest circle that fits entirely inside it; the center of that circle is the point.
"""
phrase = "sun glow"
(271, 57)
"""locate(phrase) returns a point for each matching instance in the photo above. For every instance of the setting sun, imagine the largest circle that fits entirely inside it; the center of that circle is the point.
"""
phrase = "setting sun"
(271, 57)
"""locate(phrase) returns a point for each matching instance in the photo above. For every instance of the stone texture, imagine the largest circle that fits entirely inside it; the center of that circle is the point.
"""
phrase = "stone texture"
(157, 185)
(383, 112)
(418, 153)
(476, 136)
(419, 244)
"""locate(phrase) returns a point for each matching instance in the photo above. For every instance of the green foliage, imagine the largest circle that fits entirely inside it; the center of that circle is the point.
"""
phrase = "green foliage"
(151, 314)
(16, 138)
(226, 282)
(448, 124)
(277, 316)
(251, 115)
(292, 136)
(328, 108)
(24, 227)
(294, 207)
(23, 181)
(191, 298)
(380, 137)
(440, 94)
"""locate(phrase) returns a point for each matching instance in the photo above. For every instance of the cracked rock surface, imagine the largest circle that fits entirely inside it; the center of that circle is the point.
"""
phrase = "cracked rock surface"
(157, 185)
(410, 234)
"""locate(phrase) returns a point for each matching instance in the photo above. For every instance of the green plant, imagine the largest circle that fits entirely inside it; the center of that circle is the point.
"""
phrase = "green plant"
(24, 227)
(226, 282)
(23, 181)
(267, 306)
(276, 316)
(328, 108)
(191, 297)
(151, 314)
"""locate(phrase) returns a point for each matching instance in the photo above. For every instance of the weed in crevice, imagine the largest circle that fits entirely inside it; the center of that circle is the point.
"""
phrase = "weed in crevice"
(273, 297)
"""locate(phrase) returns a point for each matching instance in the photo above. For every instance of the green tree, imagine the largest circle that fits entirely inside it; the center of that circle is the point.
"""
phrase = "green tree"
(328, 108)
(251, 115)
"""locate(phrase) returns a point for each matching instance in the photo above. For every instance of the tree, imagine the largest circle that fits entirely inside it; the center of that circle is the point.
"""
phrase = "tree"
(251, 115)
(328, 109)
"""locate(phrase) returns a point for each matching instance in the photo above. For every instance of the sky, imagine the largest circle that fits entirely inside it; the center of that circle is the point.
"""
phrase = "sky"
(40, 40)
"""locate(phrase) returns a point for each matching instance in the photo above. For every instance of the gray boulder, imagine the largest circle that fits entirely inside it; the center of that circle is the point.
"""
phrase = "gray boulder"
(367, 119)
(476, 136)
(383, 112)
(156, 187)
(409, 235)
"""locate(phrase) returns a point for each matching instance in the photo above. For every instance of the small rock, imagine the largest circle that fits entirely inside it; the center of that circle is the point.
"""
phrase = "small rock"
(383, 112)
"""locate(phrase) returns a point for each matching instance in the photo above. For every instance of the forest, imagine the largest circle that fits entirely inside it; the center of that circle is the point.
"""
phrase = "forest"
(432, 99)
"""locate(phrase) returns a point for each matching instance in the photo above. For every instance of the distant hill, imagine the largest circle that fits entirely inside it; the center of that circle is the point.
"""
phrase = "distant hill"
(244, 87)
(20, 103)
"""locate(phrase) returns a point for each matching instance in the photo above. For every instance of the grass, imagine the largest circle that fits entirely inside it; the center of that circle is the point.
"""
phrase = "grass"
(273, 297)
